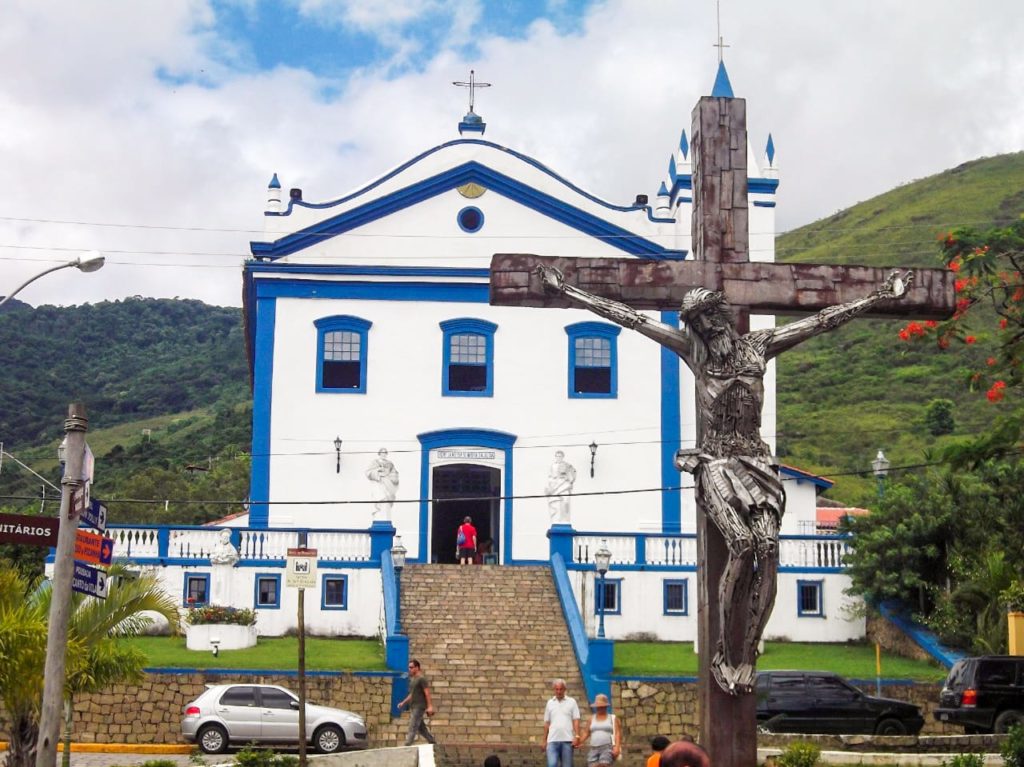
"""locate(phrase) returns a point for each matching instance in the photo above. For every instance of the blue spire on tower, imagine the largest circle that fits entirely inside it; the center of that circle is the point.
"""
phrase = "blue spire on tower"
(672, 175)
(770, 150)
(684, 145)
(274, 183)
(663, 190)
(722, 88)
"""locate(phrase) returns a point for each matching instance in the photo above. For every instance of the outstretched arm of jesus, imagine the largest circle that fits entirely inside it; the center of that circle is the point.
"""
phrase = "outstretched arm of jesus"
(620, 314)
(788, 336)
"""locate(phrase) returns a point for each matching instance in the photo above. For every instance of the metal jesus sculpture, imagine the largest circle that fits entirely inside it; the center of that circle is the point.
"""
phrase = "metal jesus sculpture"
(736, 477)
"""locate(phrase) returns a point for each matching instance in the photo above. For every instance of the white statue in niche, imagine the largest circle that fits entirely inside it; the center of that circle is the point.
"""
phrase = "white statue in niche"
(224, 553)
(560, 481)
(384, 476)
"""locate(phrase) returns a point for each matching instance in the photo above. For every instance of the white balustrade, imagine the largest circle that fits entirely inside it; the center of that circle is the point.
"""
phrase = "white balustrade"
(191, 543)
(673, 550)
(137, 542)
(622, 547)
(340, 546)
(812, 552)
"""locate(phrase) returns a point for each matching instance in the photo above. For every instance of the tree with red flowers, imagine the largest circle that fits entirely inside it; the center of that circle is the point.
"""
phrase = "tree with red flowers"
(989, 264)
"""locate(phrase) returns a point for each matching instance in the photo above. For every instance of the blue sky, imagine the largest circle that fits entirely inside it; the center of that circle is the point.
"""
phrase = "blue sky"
(148, 129)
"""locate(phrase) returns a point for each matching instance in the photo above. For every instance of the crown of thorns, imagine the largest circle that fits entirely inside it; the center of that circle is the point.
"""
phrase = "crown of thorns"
(699, 300)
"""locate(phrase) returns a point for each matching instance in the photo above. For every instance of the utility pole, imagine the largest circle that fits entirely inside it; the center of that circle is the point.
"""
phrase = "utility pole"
(75, 427)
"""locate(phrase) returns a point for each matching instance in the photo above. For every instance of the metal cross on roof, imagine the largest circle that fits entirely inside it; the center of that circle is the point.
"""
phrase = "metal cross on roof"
(721, 43)
(472, 85)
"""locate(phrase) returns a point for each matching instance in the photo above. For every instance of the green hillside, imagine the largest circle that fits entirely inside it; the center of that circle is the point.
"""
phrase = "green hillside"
(844, 396)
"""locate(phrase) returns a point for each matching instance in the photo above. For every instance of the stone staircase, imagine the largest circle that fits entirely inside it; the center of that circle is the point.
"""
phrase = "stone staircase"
(490, 639)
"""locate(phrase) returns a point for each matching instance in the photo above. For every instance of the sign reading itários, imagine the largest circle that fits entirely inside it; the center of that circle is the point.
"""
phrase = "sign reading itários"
(29, 530)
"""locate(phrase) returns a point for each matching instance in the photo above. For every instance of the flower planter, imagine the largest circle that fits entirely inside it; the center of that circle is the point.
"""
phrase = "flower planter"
(229, 636)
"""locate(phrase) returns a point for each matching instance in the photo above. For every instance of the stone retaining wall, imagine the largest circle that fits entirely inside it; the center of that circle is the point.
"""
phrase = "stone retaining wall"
(151, 712)
(892, 639)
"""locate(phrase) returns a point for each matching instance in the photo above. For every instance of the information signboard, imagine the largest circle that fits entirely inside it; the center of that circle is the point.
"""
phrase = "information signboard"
(89, 580)
(93, 548)
(29, 530)
(300, 569)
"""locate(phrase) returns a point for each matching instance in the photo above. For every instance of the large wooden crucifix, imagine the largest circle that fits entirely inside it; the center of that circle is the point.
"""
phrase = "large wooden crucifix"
(739, 497)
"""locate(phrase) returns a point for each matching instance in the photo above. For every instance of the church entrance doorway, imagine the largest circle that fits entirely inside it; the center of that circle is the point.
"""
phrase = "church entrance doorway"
(463, 490)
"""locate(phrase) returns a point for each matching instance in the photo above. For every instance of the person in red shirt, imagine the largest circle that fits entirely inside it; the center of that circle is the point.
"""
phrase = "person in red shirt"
(466, 541)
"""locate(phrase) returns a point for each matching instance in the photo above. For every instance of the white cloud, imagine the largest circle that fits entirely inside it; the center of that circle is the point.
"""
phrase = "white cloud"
(859, 97)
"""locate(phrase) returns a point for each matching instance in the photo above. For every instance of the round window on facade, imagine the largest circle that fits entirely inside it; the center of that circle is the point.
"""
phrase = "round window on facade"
(471, 219)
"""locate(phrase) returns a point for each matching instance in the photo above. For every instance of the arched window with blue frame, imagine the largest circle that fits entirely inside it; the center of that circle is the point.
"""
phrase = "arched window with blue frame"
(468, 364)
(593, 360)
(341, 354)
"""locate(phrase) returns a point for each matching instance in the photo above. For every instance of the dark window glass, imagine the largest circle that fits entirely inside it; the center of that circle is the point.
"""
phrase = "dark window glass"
(829, 688)
(334, 591)
(275, 698)
(268, 591)
(609, 594)
(341, 375)
(788, 684)
(239, 696)
(593, 374)
(675, 597)
(997, 672)
(197, 590)
(470, 219)
(342, 364)
(810, 594)
(467, 377)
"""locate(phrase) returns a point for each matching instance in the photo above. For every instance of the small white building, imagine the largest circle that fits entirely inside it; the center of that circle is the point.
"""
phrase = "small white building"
(369, 328)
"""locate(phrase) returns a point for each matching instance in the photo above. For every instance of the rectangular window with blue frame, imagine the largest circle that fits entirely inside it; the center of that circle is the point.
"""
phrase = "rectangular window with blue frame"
(593, 360)
(675, 597)
(810, 599)
(334, 592)
(468, 358)
(268, 591)
(196, 590)
(608, 593)
(341, 354)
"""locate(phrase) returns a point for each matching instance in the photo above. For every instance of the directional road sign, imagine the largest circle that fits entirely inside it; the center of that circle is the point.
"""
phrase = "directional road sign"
(89, 580)
(300, 569)
(95, 515)
(29, 530)
(93, 548)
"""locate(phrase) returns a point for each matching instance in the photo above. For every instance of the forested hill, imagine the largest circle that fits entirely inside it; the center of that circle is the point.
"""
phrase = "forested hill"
(845, 395)
(126, 360)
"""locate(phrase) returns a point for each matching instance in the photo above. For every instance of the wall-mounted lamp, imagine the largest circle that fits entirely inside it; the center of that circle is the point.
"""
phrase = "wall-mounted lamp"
(337, 455)
(593, 455)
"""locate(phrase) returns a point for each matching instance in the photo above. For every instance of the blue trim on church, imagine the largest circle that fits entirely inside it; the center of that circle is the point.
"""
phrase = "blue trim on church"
(262, 394)
(470, 172)
(671, 434)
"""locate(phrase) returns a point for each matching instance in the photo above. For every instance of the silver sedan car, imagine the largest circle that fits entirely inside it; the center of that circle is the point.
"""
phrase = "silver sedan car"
(266, 713)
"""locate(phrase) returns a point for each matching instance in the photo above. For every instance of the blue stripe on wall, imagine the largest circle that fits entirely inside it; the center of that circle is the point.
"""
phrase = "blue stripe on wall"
(671, 436)
(263, 380)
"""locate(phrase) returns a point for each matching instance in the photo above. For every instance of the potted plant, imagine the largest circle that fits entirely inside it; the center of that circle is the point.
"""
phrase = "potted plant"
(217, 627)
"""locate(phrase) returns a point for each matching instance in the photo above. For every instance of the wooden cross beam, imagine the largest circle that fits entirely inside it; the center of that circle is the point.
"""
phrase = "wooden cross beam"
(757, 287)
(721, 262)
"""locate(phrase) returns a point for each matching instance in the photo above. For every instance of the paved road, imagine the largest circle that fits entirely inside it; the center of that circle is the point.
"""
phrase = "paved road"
(100, 759)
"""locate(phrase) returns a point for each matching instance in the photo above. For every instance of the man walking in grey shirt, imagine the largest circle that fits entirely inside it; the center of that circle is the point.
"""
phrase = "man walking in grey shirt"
(420, 702)
(561, 727)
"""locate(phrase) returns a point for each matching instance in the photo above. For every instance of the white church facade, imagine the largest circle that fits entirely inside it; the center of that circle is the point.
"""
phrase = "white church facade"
(390, 398)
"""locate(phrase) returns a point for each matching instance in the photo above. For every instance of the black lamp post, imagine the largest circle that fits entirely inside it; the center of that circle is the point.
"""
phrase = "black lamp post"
(593, 455)
(880, 467)
(398, 552)
(337, 455)
(602, 560)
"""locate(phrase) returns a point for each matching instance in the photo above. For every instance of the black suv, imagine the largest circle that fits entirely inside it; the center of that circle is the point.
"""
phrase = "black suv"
(825, 703)
(984, 694)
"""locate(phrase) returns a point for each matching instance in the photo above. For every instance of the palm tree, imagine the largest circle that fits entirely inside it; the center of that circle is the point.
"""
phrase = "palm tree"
(95, 659)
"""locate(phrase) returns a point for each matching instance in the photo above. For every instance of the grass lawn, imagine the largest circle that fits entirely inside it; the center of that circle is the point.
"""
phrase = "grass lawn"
(269, 653)
(849, 660)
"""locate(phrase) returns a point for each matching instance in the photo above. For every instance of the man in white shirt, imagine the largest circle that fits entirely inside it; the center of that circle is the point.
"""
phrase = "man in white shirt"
(561, 727)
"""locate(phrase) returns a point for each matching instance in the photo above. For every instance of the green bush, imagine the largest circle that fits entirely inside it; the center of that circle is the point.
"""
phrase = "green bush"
(264, 757)
(799, 754)
(1012, 749)
(965, 760)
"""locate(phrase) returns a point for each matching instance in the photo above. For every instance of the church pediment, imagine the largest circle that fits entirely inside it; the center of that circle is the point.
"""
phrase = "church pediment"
(630, 230)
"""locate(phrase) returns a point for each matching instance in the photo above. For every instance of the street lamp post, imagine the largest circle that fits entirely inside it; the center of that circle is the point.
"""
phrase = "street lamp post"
(880, 467)
(90, 262)
(337, 453)
(398, 552)
(602, 560)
